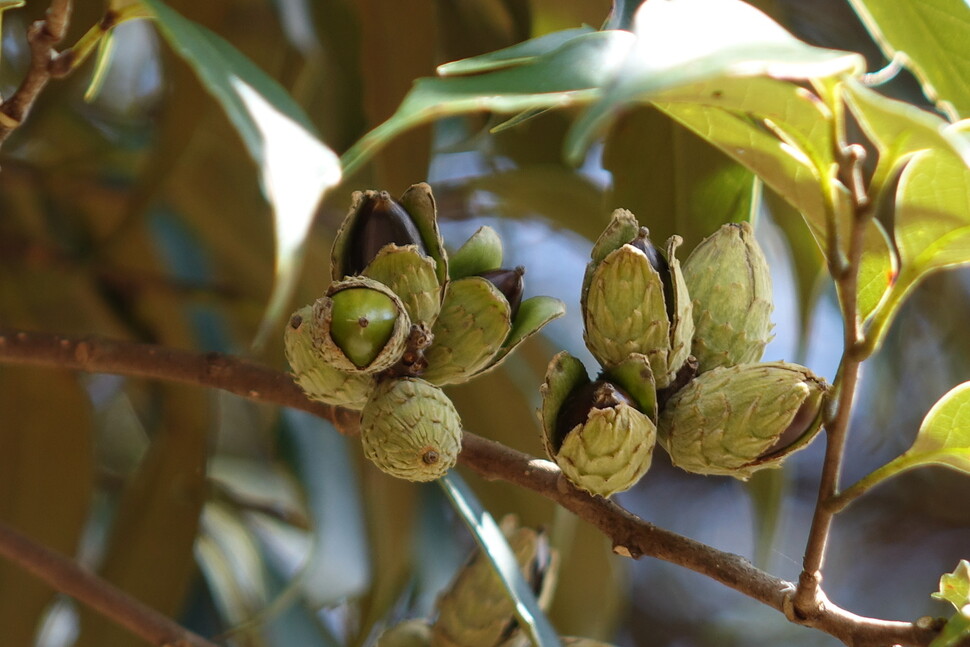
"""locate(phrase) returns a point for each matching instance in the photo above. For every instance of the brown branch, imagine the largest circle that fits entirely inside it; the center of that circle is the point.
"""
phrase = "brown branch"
(66, 576)
(809, 600)
(631, 536)
(42, 37)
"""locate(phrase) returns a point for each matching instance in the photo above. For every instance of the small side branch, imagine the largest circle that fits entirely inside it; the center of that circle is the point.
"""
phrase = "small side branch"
(631, 536)
(66, 576)
(42, 37)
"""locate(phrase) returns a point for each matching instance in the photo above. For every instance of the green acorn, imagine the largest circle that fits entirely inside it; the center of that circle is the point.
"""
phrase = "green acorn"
(362, 324)
(635, 300)
(410, 429)
(736, 420)
(597, 432)
(476, 611)
(730, 285)
(318, 378)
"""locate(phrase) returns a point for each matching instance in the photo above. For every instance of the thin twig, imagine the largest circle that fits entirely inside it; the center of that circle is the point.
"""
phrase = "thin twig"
(67, 577)
(809, 600)
(631, 536)
(42, 37)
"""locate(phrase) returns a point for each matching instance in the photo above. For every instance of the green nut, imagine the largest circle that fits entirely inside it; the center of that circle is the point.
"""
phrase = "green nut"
(730, 285)
(475, 610)
(739, 419)
(410, 429)
(410, 633)
(318, 378)
(593, 430)
(482, 252)
(362, 325)
(635, 301)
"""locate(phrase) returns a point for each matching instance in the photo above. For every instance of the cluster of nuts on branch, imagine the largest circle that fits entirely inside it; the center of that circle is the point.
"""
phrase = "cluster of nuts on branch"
(678, 347)
(402, 319)
(476, 610)
(679, 350)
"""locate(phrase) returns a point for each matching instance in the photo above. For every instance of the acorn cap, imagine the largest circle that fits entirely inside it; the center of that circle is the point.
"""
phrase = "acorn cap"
(473, 323)
(602, 444)
(730, 284)
(475, 610)
(736, 420)
(411, 276)
(410, 429)
(319, 379)
(362, 331)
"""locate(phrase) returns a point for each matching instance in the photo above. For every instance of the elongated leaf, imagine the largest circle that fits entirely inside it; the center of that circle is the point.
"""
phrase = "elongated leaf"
(944, 436)
(955, 586)
(680, 184)
(571, 73)
(683, 45)
(518, 54)
(932, 228)
(489, 537)
(931, 34)
(296, 169)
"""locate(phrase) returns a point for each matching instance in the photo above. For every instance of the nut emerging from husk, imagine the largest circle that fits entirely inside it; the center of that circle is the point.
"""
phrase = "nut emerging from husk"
(737, 420)
(635, 300)
(594, 431)
(410, 429)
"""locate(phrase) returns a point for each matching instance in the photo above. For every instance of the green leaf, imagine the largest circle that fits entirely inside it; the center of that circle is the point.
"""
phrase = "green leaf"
(899, 130)
(681, 184)
(685, 50)
(534, 313)
(944, 436)
(955, 586)
(930, 35)
(296, 169)
(932, 227)
(569, 74)
(518, 54)
(489, 537)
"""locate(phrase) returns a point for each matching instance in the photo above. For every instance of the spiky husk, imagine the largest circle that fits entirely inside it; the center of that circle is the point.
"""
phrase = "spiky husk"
(410, 429)
(730, 284)
(730, 420)
(319, 379)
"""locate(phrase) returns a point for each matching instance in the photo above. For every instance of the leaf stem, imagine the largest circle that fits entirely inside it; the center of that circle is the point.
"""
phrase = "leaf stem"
(894, 467)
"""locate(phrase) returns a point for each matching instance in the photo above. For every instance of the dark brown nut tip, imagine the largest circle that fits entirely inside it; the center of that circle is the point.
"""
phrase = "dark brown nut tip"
(576, 409)
(510, 283)
(380, 221)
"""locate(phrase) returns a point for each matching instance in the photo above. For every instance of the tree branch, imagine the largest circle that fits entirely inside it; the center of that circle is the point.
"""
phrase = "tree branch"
(42, 37)
(66, 576)
(631, 536)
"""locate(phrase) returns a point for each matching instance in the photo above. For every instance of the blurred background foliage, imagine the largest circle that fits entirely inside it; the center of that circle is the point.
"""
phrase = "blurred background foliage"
(138, 215)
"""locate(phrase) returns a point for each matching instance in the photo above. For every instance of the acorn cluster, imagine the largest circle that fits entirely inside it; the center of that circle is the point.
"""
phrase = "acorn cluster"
(475, 610)
(401, 319)
(679, 349)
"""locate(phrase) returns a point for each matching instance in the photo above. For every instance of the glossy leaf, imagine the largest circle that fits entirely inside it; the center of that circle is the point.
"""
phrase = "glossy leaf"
(955, 586)
(944, 436)
(518, 54)
(489, 537)
(931, 37)
(682, 46)
(571, 73)
(932, 227)
(296, 169)
(678, 184)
